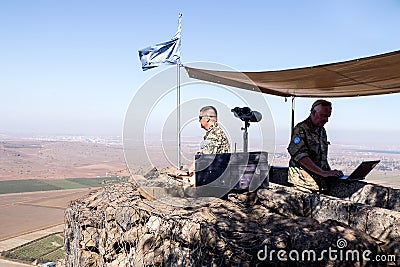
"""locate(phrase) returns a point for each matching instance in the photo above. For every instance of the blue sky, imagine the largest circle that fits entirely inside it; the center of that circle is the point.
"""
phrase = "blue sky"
(72, 67)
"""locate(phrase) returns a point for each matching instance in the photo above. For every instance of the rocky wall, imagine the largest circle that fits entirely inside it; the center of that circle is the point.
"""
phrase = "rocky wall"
(120, 226)
(380, 223)
(358, 191)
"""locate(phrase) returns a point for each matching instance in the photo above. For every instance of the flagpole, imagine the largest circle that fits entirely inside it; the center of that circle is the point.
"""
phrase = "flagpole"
(178, 113)
(167, 53)
(178, 101)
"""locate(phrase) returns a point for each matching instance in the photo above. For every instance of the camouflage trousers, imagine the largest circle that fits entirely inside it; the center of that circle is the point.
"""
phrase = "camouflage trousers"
(303, 181)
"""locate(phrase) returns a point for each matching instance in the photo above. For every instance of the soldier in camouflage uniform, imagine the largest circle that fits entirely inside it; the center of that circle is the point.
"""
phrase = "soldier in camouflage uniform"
(215, 140)
(308, 148)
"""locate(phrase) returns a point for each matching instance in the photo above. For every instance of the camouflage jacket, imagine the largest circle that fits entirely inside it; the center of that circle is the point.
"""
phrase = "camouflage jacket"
(309, 140)
(215, 141)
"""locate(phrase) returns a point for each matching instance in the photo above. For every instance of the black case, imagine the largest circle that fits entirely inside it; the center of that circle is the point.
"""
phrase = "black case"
(242, 171)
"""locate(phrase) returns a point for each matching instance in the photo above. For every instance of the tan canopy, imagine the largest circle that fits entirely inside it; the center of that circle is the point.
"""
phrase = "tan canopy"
(374, 75)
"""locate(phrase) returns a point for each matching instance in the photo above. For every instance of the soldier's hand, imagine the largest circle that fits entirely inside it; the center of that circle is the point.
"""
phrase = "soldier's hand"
(177, 173)
(333, 173)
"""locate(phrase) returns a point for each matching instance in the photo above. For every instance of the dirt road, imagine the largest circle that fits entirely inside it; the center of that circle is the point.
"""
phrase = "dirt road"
(6, 263)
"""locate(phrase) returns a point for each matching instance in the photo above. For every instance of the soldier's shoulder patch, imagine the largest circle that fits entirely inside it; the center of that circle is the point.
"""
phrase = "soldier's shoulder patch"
(296, 140)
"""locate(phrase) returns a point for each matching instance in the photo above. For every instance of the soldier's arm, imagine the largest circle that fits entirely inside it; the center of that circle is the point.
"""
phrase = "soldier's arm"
(187, 170)
(307, 163)
(207, 149)
(297, 147)
(299, 151)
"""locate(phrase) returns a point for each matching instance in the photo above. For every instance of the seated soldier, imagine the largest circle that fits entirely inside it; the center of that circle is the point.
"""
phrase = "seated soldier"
(215, 140)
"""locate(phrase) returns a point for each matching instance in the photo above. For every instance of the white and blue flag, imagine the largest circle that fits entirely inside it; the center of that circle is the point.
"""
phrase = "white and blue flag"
(168, 52)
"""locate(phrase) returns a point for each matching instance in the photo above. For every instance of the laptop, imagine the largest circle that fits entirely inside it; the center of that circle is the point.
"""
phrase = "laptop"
(361, 171)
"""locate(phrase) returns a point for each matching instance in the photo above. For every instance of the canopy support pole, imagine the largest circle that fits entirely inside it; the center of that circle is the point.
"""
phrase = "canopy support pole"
(293, 110)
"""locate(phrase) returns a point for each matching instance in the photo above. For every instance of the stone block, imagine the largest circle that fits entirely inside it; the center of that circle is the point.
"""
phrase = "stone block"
(358, 216)
(394, 199)
(148, 172)
(383, 224)
(344, 189)
(246, 199)
(326, 208)
(282, 201)
(360, 192)
(371, 194)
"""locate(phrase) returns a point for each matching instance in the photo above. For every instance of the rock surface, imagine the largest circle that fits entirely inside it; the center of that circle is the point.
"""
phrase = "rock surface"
(119, 225)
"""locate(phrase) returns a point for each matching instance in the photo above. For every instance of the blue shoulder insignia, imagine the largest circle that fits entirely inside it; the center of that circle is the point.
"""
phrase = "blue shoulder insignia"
(296, 140)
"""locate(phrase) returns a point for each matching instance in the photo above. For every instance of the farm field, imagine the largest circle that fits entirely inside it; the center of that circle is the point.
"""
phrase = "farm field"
(33, 185)
(22, 213)
(45, 249)
(39, 177)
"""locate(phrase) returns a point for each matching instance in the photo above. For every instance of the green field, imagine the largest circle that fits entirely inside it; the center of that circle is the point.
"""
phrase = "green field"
(33, 185)
(48, 248)
(22, 146)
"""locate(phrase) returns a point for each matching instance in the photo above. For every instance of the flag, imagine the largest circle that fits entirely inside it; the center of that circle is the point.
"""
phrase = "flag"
(168, 52)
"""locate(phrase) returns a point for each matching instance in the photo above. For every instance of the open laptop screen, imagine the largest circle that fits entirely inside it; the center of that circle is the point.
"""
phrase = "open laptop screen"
(361, 171)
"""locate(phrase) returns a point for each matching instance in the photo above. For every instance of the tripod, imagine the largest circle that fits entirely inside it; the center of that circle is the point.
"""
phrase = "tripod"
(245, 135)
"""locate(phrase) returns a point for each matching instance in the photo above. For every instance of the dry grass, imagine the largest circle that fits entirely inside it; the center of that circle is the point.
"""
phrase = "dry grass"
(59, 159)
